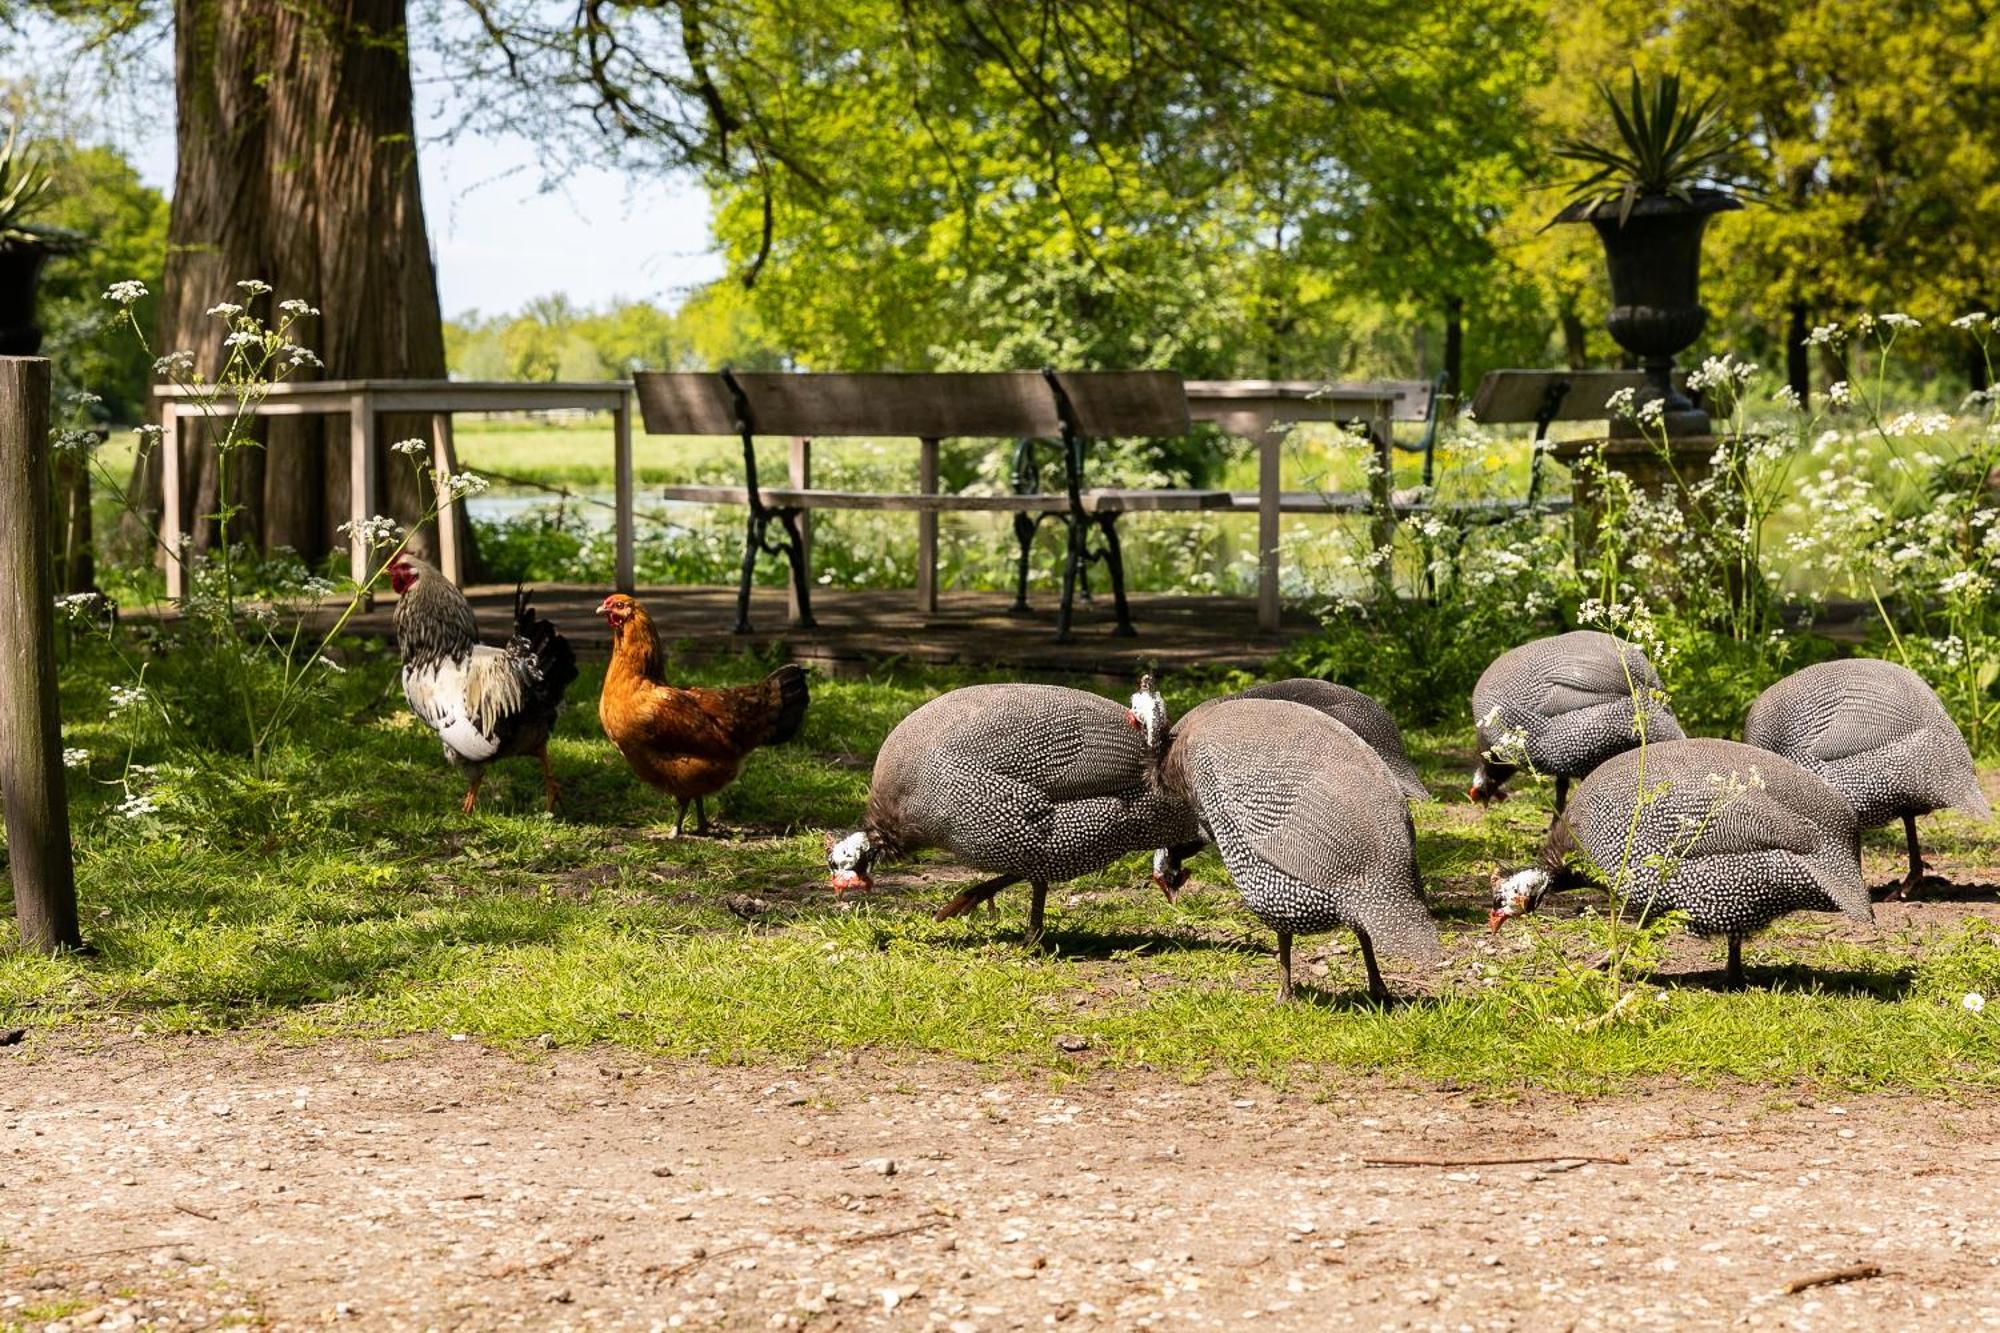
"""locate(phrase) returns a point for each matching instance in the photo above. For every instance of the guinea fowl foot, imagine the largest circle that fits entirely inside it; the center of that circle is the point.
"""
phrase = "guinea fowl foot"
(1904, 889)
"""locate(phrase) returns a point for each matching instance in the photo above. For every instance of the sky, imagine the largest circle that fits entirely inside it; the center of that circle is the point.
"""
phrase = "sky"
(501, 235)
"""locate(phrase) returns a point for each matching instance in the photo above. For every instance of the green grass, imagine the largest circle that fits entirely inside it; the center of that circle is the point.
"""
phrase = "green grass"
(342, 893)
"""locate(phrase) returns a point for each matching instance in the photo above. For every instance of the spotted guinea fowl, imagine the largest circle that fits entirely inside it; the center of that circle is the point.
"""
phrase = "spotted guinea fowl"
(1878, 735)
(1359, 713)
(484, 702)
(1309, 821)
(1567, 704)
(1733, 836)
(1033, 783)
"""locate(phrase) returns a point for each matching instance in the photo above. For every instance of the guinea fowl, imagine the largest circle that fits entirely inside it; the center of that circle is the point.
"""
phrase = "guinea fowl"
(690, 742)
(484, 703)
(1309, 821)
(1033, 783)
(1359, 713)
(1878, 735)
(1733, 836)
(1565, 704)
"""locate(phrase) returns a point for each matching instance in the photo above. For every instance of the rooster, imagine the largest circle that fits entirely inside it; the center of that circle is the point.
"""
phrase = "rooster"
(690, 743)
(484, 703)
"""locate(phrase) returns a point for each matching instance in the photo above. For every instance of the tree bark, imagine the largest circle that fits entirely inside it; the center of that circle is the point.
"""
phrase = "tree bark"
(1576, 338)
(298, 166)
(1798, 362)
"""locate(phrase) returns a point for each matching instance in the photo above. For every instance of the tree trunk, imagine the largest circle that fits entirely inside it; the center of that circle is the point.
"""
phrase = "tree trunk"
(1454, 342)
(1798, 362)
(1576, 338)
(298, 166)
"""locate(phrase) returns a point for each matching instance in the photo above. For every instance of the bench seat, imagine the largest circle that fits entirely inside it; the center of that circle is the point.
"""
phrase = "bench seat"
(1356, 502)
(1094, 501)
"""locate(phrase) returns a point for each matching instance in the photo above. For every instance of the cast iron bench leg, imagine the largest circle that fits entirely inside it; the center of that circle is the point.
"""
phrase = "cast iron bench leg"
(751, 540)
(1024, 532)
(1114, 561)
(1072, 566)
(795, 554)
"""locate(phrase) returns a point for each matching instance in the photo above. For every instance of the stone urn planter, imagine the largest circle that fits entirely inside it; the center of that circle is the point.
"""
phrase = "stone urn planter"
(1654, 258)
(22, 255)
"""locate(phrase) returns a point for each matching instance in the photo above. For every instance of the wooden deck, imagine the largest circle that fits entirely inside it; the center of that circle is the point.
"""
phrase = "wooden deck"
(860, 629)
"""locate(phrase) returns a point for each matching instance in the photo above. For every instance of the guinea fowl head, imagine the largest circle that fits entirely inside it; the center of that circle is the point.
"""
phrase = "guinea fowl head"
(1516, 893)
(1487, 780)
(849, 860)
(1168, 872)
(1148, 713)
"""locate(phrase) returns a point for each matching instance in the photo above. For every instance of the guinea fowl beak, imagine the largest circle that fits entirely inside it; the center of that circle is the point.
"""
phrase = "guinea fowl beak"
(1170, 888)
(1494, 920)
(1131, 719)
(840, 881)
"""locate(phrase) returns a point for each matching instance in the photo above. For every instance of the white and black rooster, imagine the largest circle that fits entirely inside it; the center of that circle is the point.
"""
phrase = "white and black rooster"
(484, 703)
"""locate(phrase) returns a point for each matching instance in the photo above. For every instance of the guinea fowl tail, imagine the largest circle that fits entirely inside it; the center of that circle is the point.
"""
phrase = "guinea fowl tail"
(789, 697)
(1973, 801)
(537, 639)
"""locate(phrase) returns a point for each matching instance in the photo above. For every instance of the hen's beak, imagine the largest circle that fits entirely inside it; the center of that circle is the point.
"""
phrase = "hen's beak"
(604, 607)
(1494, 920)
(840, 881)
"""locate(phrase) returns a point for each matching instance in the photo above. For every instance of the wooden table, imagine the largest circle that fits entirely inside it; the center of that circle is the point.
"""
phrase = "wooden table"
(362, 401)
(1261, 411)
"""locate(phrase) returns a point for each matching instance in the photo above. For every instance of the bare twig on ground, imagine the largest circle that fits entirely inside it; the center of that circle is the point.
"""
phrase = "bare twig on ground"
(1619, 1160)
(577, 1246)
(194, 1212)
(1858, 1273)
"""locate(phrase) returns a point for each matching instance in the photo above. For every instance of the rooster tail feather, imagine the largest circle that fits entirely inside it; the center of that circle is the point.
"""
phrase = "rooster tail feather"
(537, 640)
(789, 697)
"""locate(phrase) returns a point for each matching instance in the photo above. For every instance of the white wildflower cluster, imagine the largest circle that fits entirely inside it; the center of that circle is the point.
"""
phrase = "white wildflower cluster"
(254, 286)
(378, 530)
(76, 607)
(174, 365)
(1840, 393)
(137, 806)
(297, 357)
(1652, 413)
(1917, 423)
(124, 697)
(412, 448)
(148, 437)
(79, 442)
(1788, 398)
(1974, 321)
(298, 309)
(75, 758)
(225, 310)
(1723, 374)
(1899, 322)
(1826, 335)
(1969, 583)
(126, 293)
(1622, 405)
(457, 485)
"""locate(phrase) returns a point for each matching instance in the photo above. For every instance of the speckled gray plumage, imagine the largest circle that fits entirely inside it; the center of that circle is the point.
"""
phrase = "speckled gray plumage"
(1307, 818)
(1876, 732)
(1571, 699)
(1733, 865)
(1036, 781)
(1356, 711)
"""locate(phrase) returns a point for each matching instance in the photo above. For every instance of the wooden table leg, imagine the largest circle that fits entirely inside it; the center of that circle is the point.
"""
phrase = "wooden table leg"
(625, 570)
(360, 484)
(927, 530)
(1381, 481)
(170, 500)
(1270, 444)
(450, 558)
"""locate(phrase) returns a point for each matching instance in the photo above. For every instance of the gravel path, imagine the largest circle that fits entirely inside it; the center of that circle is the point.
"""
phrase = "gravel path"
(440, 1184)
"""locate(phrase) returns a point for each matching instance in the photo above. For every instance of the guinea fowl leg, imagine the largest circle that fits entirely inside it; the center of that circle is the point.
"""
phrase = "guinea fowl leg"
(1284, 967)
(551, 792)
(1915, 879)
(1376, 989)
(982, 892)
(1734, 976)
(1562, 799)
(1035, 907)
(471, 793)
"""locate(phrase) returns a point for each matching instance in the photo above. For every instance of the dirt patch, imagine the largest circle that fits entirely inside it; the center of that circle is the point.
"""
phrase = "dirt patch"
(433, 1183)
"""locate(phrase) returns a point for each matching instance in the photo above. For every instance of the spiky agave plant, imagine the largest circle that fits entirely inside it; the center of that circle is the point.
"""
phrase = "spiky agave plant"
(22, 181)
(1665, 146)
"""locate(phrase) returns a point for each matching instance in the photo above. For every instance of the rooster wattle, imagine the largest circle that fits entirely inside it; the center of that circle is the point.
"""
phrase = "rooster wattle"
(484, 702)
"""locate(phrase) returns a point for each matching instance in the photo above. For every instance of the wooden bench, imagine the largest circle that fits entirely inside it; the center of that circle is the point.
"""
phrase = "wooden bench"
(1075, 407)
(1516, 397)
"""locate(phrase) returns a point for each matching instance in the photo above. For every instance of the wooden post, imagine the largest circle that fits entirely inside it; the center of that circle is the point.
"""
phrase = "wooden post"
(31, 763)
(360, 483)
(927, 530)
(170, 499)
(1270, 442)
(451, 561)
(625, 569)
(1381, 478)
(801, 473)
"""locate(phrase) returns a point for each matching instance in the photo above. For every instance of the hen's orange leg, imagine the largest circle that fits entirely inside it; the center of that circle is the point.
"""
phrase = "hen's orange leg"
(551, 792)
(471, 793)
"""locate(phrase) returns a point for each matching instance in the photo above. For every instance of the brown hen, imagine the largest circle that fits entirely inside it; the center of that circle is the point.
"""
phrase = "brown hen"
(690, 743)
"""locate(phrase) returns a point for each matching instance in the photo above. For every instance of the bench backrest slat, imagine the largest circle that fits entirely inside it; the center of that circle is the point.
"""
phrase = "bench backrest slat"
(1510, 396)
(928, 406)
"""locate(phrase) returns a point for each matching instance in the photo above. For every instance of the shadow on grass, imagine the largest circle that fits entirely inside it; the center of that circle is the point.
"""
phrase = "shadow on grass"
(1799, 977)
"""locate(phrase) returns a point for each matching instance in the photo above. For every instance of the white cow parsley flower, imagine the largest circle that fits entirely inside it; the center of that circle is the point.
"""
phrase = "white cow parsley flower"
(127, 292)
